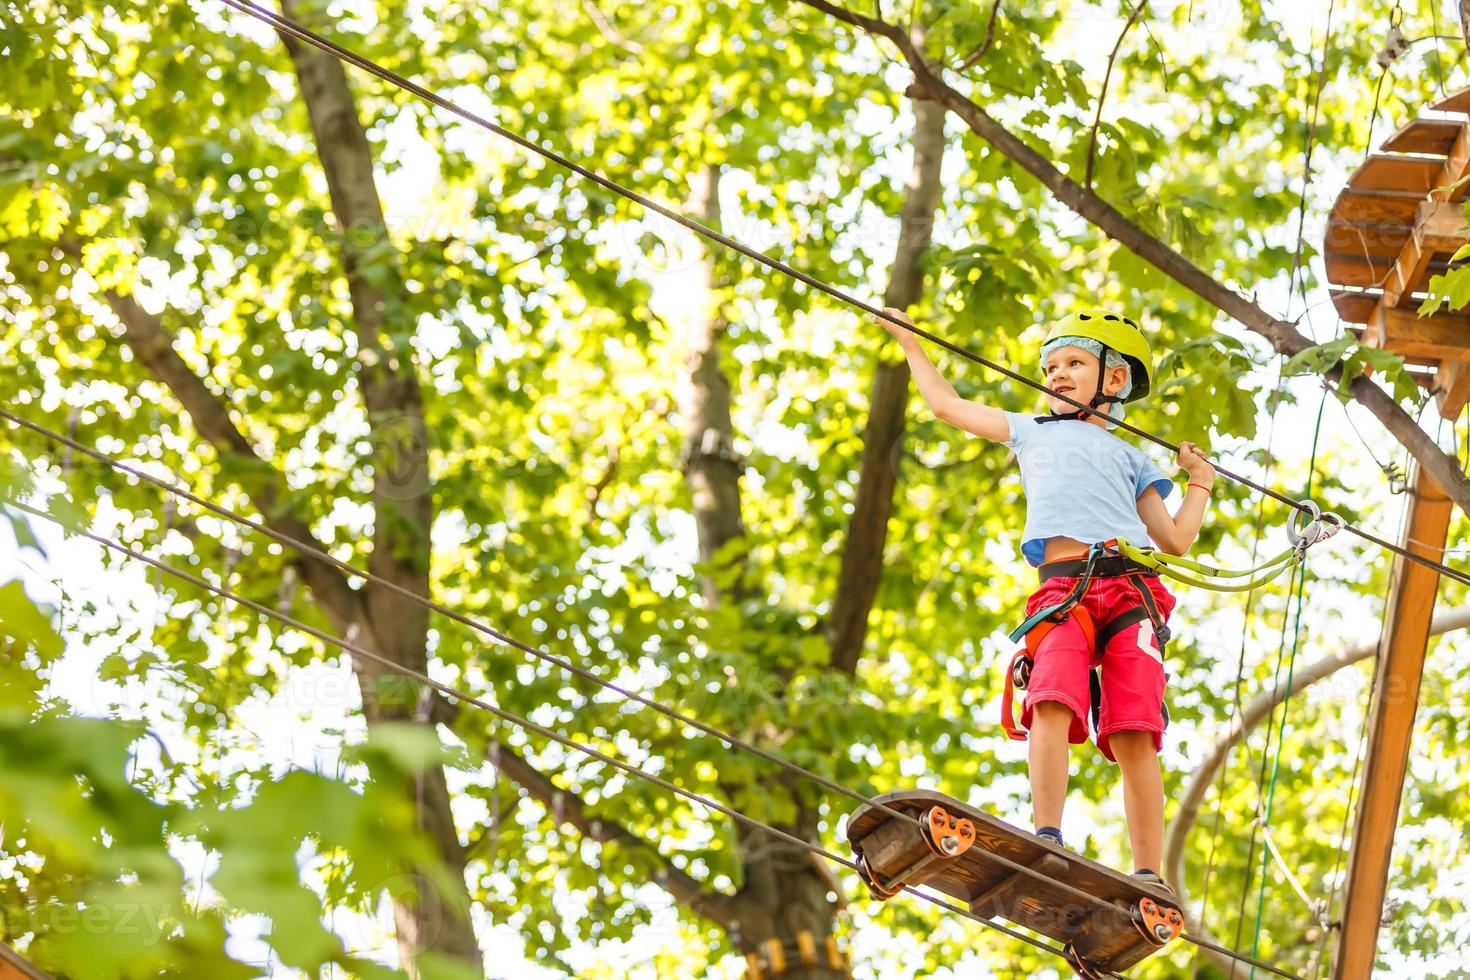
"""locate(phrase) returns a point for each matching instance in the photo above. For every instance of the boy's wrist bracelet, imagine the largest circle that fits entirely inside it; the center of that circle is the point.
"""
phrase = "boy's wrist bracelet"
(1202, 486)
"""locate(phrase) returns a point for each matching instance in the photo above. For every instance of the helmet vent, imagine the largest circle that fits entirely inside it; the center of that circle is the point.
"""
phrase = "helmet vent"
(1130, 323)
(1084, 316)
(1110, 316)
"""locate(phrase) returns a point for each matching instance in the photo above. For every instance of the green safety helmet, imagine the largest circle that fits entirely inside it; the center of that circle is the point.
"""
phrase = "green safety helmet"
(1115, 332)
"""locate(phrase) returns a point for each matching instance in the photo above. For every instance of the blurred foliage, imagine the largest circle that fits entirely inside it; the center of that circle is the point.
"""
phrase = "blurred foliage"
(162, 151)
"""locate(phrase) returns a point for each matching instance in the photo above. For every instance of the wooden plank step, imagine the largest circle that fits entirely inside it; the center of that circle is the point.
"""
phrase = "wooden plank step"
(1454, 102)
(1382, 240)
(986, 876)
(1344, 269)
(1376, 207)
(1355, 306)
(1440, 336)
(1388, 172)
(1432, 136)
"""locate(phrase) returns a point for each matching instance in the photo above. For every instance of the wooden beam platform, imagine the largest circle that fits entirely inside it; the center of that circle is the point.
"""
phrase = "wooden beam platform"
(1452, 388)
(1391, 717)
(1381, 274)
(1454, 102)
(1433, 136)
(1394, 227)
(1344, 269)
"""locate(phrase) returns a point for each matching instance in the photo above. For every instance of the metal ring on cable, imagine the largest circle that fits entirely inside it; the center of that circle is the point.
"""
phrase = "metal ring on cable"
(1303, 537)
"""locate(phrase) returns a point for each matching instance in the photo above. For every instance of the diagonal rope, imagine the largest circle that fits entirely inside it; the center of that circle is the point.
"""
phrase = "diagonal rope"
(1236, 705)
(285, 25)
(431, 605)
(1270, 800)
(734, 742)
(512, 718)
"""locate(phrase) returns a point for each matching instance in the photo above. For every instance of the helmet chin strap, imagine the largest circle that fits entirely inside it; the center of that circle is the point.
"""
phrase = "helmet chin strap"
(1098, 400)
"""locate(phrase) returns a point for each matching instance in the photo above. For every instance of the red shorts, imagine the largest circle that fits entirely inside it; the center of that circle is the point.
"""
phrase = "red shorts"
(1132, 665)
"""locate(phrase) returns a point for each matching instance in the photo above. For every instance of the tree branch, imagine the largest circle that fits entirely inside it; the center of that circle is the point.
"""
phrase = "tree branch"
(1103, 96)
(568, 808)
(606, 29)
(1282, 335)
(1199, 781)
(867, 531)
(984, 47)
(402, 505)
(152, 345)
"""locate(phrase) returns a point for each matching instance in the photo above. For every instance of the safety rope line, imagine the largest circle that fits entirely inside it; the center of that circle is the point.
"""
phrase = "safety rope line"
(1169, 565)
(512, 718)
(1265, 796)
(1301, 216)
(290, 27)
(731, 740)
(1237, 708)
(310, 550)
(1313, 906)
(1260, 775)
(1292, 592)
(1319, 528)
(1286, 701)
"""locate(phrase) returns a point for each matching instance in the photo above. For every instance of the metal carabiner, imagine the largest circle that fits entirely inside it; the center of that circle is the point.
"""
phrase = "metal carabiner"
(1303, 537)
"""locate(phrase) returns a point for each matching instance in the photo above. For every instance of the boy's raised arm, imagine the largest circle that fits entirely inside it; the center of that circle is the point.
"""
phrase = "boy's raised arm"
(939, 395)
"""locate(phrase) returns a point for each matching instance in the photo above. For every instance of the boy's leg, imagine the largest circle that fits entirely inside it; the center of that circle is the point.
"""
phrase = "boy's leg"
(1057, 701)
(1131, 727)
(1143, 796)
(1051, 721)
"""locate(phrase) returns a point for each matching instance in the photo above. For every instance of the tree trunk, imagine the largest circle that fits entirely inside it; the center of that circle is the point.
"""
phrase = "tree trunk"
(710, 465)
(784, 894)
(402, 500)
(867, 532)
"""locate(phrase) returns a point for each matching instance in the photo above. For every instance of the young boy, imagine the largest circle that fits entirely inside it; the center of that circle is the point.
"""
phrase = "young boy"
(1083, 486)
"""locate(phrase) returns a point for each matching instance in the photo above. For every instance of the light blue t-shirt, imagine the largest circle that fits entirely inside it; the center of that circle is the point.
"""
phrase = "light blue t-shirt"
(1081, 482)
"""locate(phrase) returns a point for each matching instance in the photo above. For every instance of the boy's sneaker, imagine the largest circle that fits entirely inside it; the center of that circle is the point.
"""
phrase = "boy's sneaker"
(1052, 834)
(1153, 878)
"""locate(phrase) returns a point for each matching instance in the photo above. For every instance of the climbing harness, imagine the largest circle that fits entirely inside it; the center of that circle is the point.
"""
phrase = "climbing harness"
(1102, 561)
(1118, 558)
